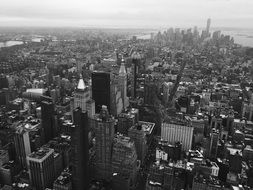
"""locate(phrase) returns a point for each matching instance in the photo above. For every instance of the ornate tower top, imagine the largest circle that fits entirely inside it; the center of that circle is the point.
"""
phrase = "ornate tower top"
(81, 85)
(122, 70)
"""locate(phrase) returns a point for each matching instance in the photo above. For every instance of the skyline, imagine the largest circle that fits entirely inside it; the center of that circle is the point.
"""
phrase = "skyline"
(127, 14)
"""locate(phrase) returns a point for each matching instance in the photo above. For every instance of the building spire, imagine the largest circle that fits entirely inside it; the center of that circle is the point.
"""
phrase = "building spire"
(122, 70)
(81, 85)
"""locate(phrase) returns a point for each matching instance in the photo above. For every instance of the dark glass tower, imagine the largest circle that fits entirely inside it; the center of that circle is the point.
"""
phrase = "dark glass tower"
(3, 82)
(101, 90)
(79, 150)
(47, 120)
(136, 58)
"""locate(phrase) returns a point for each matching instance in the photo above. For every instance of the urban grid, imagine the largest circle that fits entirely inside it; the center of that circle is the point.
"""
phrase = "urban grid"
(125, 109)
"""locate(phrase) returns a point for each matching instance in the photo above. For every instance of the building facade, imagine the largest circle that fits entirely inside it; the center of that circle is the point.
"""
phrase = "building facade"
(41, 168)
(177, 132)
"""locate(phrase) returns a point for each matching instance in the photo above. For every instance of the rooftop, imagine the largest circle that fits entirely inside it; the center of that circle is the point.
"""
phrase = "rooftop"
(123, 140)
(41, 154)
(147, 127)
(81, 85)
(63, 179)
(36, 90)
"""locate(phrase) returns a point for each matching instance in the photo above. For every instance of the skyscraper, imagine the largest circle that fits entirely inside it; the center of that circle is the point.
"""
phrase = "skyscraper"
(136, 57)
(82, 95)
(123, 84)
(47, 120)
(41, 168)
(139, 137)
(208, 26)
(214, 143)
(101, 89)
(22, 145)
(103, 124)
(150, 92)
(124, 163)
(116, 102)
(80, 150)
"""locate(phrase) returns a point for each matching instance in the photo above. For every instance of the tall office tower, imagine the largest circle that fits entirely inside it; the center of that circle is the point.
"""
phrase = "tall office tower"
(80, 150)
(214, 143)
(195, 32)
(4, 96)
(139, 137)
(115, 98)
(101, 89)
(41, 168)
(82, 95)
(199, 126)
(136, 58)
(167, 86)
(125, 121)
(247, 111)
(177, 131)
(150, 93)
(208, 26)
(63, 182)
(168, 177)
(216, 122)
(22, 145)
(123, 84)
(4, 157)
(90, 107)
(216, 35)
(103, 124)
(3, 81)
(47, 120)
(124, 163)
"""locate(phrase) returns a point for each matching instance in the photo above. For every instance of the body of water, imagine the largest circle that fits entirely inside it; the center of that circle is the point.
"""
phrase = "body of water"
(17, 42)
(10, 43)
(242, 37)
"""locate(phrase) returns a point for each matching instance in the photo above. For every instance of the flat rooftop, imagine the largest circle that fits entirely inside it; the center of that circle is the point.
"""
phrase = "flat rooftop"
(41, 154)
(147, 127)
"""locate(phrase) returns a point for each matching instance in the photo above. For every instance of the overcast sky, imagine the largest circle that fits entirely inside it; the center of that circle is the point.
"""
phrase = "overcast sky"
(127, 13)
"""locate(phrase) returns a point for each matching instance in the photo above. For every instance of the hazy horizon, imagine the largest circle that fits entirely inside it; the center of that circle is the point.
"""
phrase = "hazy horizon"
(136, 14)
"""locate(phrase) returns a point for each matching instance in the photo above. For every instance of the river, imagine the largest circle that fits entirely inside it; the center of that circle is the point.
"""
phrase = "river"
(17, 42)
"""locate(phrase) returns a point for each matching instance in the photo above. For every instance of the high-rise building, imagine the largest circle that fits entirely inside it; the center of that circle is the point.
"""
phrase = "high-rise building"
(3, 81)
(208, 26)
(90, 107)
(101, 89)
(63, 182)
(216, 35)
(103, 124)
(150, 92)
(124, 163)
(7, 173)
(178, 131)
(116, 98)
(123, 84)
(41, 168)
(247, 111)
(125, 121)
(141, 134)
(47, 120)
(139, 137)
(82, 95)
(22, 145)
(136, 57)
(4, 157)
(167, 86)
(214, 143)
(80, 150)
